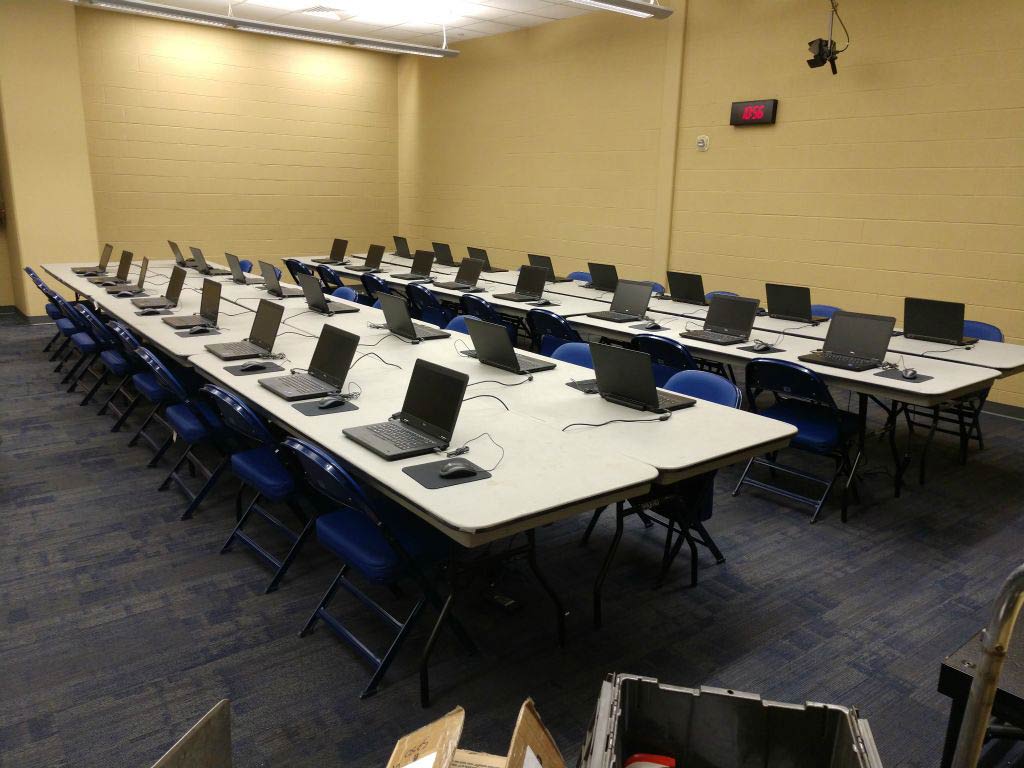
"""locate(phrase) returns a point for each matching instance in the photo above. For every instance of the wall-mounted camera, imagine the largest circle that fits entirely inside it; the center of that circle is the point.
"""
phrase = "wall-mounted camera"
(824, 51)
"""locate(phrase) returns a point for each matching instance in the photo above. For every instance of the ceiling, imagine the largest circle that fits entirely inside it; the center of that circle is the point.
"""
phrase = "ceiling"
(407, 21)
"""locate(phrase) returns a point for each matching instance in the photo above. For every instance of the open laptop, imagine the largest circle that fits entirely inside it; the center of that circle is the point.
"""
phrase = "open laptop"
(790, 302)
(402, 247)
(529, 285)
(374, 257)
(203, 267)
(338, 248)
(317, 302)
(209, 305)
(624, 376)
(443, 254)
(100, 268)
(420, 270)
(327, 370)
(427, 419)
(273, 283)
(544, 262)
(481, 255)
(179, 258)
(396, 316)
(603, 277)
(629, 302)
(171, 295)
(261, 338)
(123, 291)
(466, 277)
(938, 321)
(493, 347)
(729, 320)
(855, 342)
(237, 273)
(121, 278)
(686, 287)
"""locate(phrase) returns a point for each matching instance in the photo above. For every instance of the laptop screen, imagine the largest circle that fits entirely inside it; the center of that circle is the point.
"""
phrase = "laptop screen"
(604, 277)
(124, 265)
(686, 286)
(939, 320)
(338, 249)
(624, 373)
(270, 277)
(197, 256)
(142, 273)
(544, 263)
(176, 251)
(858, 335)
(333, 355)
(443, 254)
(788, 301)
(479, 253)
(108, 249)
(374, 256)
(531, 281)
(313, 292)
(492, 344)
(422, 262)
(401, 246)
(434, 398)
(469, 271)
(175, 284)
(235, 266)
(265, 324)
(731, 314)
(632, 297)
(396, 315)
(210, 302)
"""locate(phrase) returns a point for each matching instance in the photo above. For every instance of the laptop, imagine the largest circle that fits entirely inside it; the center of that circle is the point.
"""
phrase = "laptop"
(855, 342)
(402, 247)
(374, 256)
(603, 277)
(132, 289)
(686, 287)
(396, 316)
(179, 259)
(629, 302)
(317, 302)
(327, 370)
(544, 262)
(261, 337)
(625, 376)
(338, 248)
(420, 270)
(466, 277)
(203, 267)
(121, 278)
(493, 347)
(208, 307)
(443, 254)
(729, 320)
(237, 274)
(529, 285)
(481, 255)
(790, 302)
(100, 268)
(938, 321)
(273, 284)
(171, 295)
(427, 419)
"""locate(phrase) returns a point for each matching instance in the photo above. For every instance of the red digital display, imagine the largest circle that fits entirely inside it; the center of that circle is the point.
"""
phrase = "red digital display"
(754, 112)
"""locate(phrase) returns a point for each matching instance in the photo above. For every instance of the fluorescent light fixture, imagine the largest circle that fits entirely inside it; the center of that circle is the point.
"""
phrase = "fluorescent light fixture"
(638, 8)
(264, 28)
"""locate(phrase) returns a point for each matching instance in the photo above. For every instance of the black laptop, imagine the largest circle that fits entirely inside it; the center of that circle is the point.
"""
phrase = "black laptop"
(420, 269)
(402, 247)
(203, 267)
(529, 285)
(327, 370)
(686, 287)
(100, 268)
(208, 307)
(273, 284)
(374, 257)
(317, 302)
(628, 304)
(603, 277)
(427, 419)
(337, 257)
(121, 278)
(790, 302)
(544, 262)
(124, 291)
(729, 320)
(179, 259)
(466, 277)
(171, 295)
(855, 342)
(443, 254)
(481, 255)
(938, 321)
(493, 347)
(238, 275)
(261, 338)
(624, 376)
(396, 316)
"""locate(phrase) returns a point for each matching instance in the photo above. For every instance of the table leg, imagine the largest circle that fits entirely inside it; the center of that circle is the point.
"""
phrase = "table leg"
(956, 717)
(606, 565)
(531, 558)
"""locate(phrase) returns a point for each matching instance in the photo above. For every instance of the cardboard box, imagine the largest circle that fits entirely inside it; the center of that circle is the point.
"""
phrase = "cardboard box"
(437, 745)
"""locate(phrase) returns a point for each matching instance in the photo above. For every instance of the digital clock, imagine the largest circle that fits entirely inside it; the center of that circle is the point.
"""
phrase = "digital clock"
(754, 112)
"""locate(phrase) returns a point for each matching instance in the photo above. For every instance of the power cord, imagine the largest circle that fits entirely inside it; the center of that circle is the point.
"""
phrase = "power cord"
(373, 354)
(297, 333)
(465, 350)
(493, 397)
(947, 349)
(529, 378)
(663, 417)
(464, 448)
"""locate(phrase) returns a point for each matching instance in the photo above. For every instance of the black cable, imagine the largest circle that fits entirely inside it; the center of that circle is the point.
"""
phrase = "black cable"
(297, 333)
(297, 314)
(663, 417)
(373, 354)
(464, 448)
(234, 314)
(529, 378)
(493, 397)
(374, 344)
(465, 351)
(947, 349)
(835, 10)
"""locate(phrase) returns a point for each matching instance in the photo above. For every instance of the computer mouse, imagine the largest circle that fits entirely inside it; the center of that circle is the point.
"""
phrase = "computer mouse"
(253, 365)
(456, 468)
(653, 326)
(761, 346)
(909, 373)
(124, 294)
(196, 330)
(150, 311)
(330, 401)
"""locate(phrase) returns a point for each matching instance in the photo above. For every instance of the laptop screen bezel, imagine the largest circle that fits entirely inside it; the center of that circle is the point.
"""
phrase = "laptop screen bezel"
(312, 292)
(338, 249)
(492, 344)
(174, 285)
(422, 261)
(198, 258)
(108, 251)
(692, 285)
(835, 327)
(788, 301)
(624, 294)
(209, 301)
(469, 271)
(531, 280)
(396, 315)
(544, 262)
(142, 273)
(374, 256)
(124, 265)
(401, 245)
(333, 355)
(480, 254)
(441, 432)
(600, 271)
(270, 280)
(271, 313)
(625, 374)
(919, 314)
(720, 304)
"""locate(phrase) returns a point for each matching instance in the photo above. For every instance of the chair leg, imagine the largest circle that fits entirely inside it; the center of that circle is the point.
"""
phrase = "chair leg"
(389, 656)
(669, 553)
(927, 445)
(132, 404)
(190, 510)
(746, 469)
(74, 369)
(242, 517)
(964, 436)
(290, 557)
(82, 371)
(328, 595)
(49, 344)
(591, 525)
(57, 352)
(709, 542)
(693, 557)
(100, 381)
(161, 451)
(606, 565)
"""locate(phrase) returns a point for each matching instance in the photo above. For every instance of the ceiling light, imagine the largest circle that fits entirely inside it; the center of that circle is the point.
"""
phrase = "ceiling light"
(638, 8)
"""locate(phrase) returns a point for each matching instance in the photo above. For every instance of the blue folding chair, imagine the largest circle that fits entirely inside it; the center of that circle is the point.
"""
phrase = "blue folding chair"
(575, 352)
(129, 343)
(151, 388)
(478, 307)
(108, 354)
(52, 310)
(801, 398)
(330, 278)
(372, 285)
(668, 356)
(824, 310)
(457, 324)
(549, 331)
(246, 265)
(346, 293)
(385, 544)
(426, 306)
(584, 276)
(296, 268)
(656, 288)
(711, 294)
(78, 338)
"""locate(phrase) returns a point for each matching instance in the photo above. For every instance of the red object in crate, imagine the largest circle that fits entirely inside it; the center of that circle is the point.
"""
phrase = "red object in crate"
(641, 760)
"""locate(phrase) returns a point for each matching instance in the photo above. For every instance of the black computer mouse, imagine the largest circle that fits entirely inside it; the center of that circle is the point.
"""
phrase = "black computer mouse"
(456, 468)
(253, 365)
(653, 326)
(909, 373)
(196, 330)
(124, 294)
(150, 311)
(330, 401)
(762, 346)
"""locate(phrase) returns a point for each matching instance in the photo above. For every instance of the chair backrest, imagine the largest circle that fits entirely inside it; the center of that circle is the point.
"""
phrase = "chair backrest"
(100, 333)
(549, 331)
(457, 324)
(326, 476)
(346, 293)
(668, 356)
(706, 386)
(296, 267)
(422, 298)
(128, 340)
(824, 310)
(575, 352)
(245, 265)
(80, 323)
(238, 416)
(979, 330)
(585, 276)
(328, 276)
(475, 306)
(167, 380)
(710, 294)
(656, 287)
(373, 285)
(787, 381)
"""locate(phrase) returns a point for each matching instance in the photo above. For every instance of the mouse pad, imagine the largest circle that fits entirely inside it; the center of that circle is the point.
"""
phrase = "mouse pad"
(236, 370)
(643, 327)
(426, 475)
(893, 373)
(186, 334)
(311, 408)
(770, 351)
(587, 387)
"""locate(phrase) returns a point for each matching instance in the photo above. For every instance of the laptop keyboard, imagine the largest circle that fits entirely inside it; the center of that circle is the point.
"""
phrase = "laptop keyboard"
(399, 435)
(239, 348)
(617, 316)
(303, 383)
(846, 361)
(712, 336)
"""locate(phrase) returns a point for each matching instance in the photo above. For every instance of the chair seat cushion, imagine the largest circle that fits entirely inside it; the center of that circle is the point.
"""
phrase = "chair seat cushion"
(818, 430)
(147, 386)
(115, 362)
(358, 542)
(84, 342)
(53, 311)
(190, 428)
(260, 468)
(66, 327)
